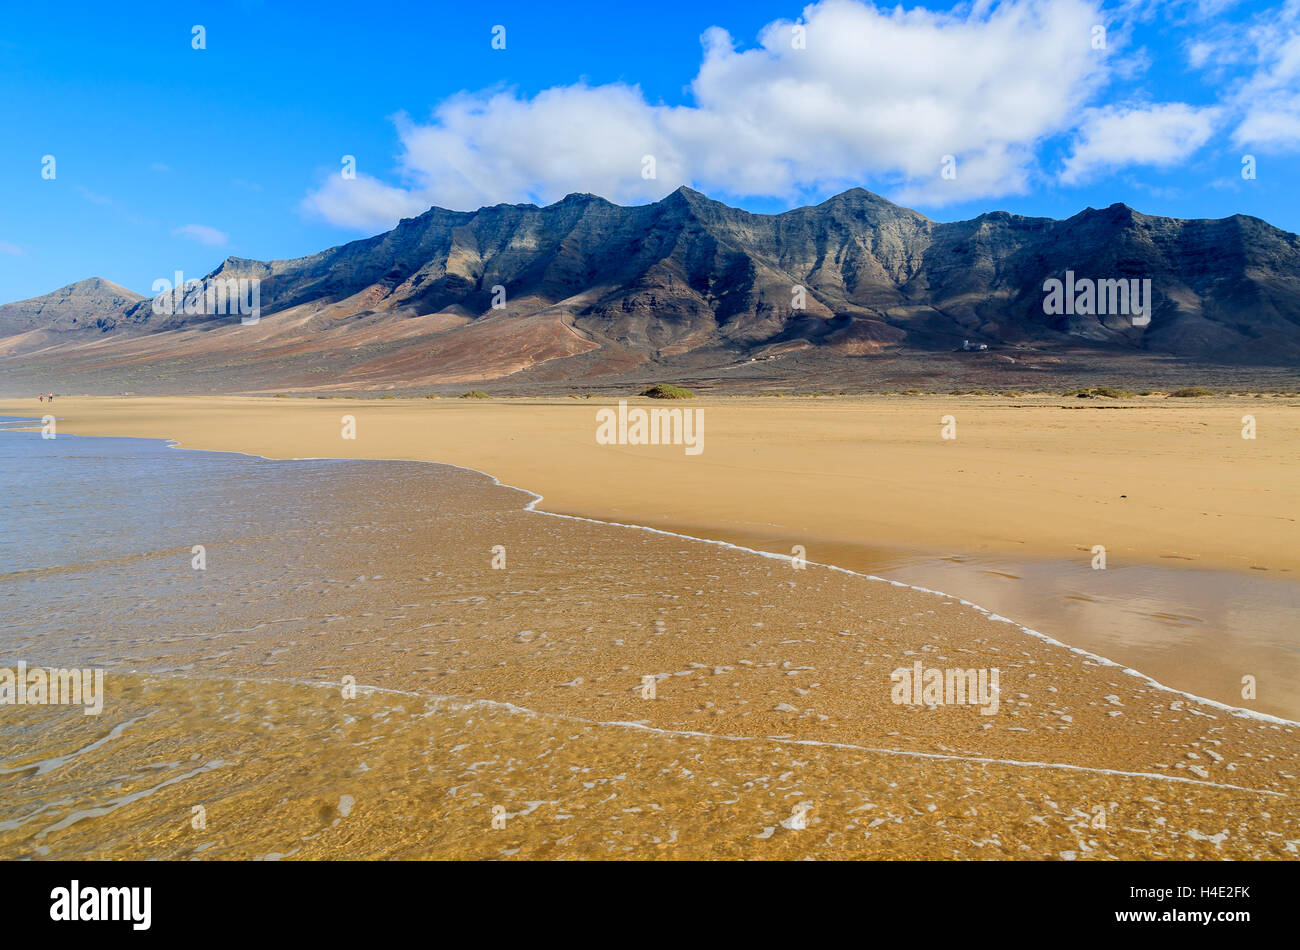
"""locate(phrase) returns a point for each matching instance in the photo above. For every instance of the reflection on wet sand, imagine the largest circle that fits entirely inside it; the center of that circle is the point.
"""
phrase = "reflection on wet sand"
(1196, 629)
(505, 712)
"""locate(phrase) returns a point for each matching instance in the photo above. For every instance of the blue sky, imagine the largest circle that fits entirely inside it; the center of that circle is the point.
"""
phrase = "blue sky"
(171, 158)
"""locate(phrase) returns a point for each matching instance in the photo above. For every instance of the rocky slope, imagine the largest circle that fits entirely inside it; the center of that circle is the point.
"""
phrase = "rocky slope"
(91, 304)
(592, 288)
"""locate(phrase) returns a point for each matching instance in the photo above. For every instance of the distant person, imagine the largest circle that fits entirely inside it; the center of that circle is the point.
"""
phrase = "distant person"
(41, 396)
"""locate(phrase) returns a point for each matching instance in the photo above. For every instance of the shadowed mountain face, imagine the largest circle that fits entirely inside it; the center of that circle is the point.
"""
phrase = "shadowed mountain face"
(584, 288)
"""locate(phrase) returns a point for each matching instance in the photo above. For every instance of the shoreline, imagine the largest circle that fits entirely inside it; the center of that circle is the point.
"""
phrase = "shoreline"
(1173, 619)
(773, 688)
(1153, 484)
(537, 498)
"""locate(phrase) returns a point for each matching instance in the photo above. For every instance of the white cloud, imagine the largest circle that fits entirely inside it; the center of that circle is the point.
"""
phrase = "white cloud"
(7, 247)
(1270, 99)
(1162, 135)
(876, 95)
(1199, 53)
(363, 203)
(202, 233)
(1256, 62)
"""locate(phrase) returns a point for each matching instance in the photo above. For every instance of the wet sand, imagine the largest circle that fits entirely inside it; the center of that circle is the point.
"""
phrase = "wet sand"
(1199, 629)
(518, 693)
(1182, 504)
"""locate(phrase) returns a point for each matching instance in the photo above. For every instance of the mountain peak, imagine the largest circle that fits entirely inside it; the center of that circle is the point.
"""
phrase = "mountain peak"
(690, 196)
(687, 277)
(90, 302)
(857, 192)
(858, 197)
(579, 198)
(690, 200)
(96, 285)
(1118, 209)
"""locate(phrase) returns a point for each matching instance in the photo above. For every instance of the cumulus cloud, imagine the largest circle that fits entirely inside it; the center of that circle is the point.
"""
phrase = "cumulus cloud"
(1256, 63)
(872, 95)
(1270, 98)
(202, 233)
(1160, 135)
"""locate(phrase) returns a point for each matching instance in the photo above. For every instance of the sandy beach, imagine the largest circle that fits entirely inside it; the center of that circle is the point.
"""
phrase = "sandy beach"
(1152, 479)
(844, 432)
(353, 674)
(1198, 524)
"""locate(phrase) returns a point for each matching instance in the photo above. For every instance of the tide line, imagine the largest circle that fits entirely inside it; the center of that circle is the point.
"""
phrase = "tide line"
(1236, 711)
(467, 703)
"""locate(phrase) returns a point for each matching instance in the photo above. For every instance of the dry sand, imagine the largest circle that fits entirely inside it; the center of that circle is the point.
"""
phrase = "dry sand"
(1154, 479)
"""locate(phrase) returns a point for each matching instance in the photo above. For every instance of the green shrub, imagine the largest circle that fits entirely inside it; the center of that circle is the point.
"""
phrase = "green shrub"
(1189, 392)
(664, 391)
(1101, 392)
(475, 394)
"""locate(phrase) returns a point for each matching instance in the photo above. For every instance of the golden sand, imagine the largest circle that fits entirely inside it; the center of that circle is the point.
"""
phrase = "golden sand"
(519, 695)
(1153, 479)
(1166, 482)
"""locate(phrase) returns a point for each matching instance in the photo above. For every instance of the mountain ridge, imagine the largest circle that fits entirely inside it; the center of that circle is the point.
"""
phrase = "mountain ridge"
(591, 287)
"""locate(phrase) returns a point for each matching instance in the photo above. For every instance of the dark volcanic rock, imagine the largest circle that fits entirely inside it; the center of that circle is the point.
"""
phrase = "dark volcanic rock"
(690, 275)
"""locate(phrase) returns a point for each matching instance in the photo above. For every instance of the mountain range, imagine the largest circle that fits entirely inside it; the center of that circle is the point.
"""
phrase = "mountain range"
(586, 292)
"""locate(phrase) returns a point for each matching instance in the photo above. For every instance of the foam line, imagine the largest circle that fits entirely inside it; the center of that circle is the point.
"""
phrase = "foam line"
(467, 703)
(536, 499)
(1104, 661)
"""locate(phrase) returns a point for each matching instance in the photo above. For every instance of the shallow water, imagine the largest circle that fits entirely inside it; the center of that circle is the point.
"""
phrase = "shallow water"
(1198, 630)
(1194, 629)
(517, 693)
